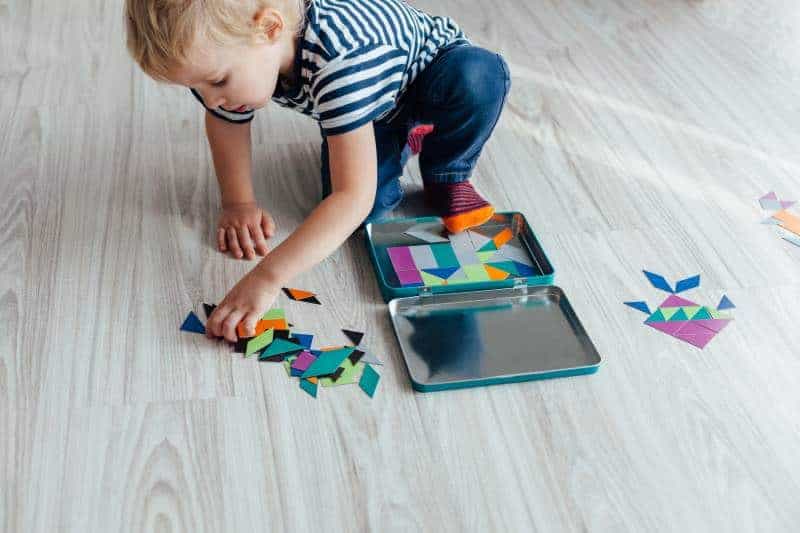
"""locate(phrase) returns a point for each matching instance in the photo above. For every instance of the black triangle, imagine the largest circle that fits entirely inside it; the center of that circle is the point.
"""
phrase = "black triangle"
(209, 308)
(356, 356)
(281, 334)
(312, 300)
(354, 336)
(241, 344)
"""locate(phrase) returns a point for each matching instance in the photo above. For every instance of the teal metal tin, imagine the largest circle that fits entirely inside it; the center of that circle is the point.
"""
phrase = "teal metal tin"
(480, 332)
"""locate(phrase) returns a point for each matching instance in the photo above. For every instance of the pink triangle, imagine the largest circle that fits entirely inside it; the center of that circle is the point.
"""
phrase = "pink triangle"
(676, 301)
(695, 335)
(787, 203)
(769, 196)
(670, 328)
(714, 324)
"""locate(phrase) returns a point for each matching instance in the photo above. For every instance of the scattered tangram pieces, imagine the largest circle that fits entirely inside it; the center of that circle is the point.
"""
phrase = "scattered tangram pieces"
(354, 336)
(301, 295)
(771, 202)
(303, 339)
(209, 308)
(259, 343)
(725, 303)
(192, 324)
(263, 325)
(688, 283)
(639, 306)
(280, 347)
(369, 380)
(309, 386)
(658, 281)
(327, 362)
(346, 374)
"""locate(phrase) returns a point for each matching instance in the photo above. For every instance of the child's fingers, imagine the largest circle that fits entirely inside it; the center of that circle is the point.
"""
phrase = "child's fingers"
(258, 239)
(233, 243)
(246, 242)
(221, 240)
(230, 323)
(213, 325)
(267, 225)
(249, 324)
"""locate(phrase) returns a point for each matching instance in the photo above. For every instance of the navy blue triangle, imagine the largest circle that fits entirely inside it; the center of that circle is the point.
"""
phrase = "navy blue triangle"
(688, 283)
(524, 270)
(193, 324)
(443, 273)
(725, 303)
(639, 306)
(658, 281)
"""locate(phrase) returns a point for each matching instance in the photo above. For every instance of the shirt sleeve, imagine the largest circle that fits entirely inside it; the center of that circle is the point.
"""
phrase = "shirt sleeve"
(358, 87)
(229, 116)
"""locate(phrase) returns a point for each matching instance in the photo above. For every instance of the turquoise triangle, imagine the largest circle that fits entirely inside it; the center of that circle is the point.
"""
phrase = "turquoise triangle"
(702, 314)
(679, 315)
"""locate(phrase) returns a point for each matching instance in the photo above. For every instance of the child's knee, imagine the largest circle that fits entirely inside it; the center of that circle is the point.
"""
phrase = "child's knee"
(483, 79)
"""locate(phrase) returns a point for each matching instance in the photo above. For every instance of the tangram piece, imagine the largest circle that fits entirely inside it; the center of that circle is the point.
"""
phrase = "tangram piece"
(679, 315)
(657, 316)
(430, 280)
(240, 346)
(284, 334)
(423, 257)
(695, 334)
(713, 324)
(401, 259)
(658, 281)
(350, 373)
(193, 324)
(424, 234)
(719, 315)
(524, 270)
(327, 362)
(354, 336)
(258, 343)
(691, 310)
(767, 197)
(701, 314)
(445, 257)
(495, 274)
(280, 347)
(502, 238)
(299, 295)
(507, 266)
(443, 273)
(676, 301)
(410, 278)
(667, 312)
(490, 246)
(262, 326)
(669, 328)
(794, 239)
(514, 253)
(688, 283)
(725, 303)
(485, 257)
(459, 276)
(287, 364)
(303, 339)
(476, 272)
(369, 380)
(331, 378)
(274, 314)
(303, 361)
(356, 356)
(788, 221)
(640, 306)
(209, 308)
(785, 204)
(309, 386)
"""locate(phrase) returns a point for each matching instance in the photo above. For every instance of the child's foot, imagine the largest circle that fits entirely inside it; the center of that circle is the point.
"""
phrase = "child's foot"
(459, 205)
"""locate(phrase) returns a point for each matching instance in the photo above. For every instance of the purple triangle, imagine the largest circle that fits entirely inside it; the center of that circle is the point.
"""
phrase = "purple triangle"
(787, 203)
(695, 335)
(714, 324)
(769, 196)
(676, 301)
(670, 328)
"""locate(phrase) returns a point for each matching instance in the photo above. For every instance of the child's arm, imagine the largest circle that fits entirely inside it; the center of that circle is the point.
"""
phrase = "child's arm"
(353, 165)
(242, 225)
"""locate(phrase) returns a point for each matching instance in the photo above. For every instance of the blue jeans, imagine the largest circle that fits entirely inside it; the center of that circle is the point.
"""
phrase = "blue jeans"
(461, 93)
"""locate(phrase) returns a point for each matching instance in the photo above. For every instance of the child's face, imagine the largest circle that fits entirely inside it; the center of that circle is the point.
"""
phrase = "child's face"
(236, 78)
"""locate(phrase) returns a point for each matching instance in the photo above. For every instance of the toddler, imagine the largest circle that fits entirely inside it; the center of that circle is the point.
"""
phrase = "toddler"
(382, 79)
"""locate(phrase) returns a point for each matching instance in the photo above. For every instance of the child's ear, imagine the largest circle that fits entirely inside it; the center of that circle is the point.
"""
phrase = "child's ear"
(269, 23)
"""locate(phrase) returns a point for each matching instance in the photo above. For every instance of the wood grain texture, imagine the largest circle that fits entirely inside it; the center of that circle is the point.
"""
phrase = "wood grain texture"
(638, 134)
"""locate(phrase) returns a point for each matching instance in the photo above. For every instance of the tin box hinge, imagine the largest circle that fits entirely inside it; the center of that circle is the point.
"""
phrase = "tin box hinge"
(425, 292)
(520, 286)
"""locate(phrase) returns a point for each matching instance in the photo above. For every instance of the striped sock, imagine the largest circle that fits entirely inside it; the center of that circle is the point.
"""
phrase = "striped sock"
(416, 136)
(459, 205)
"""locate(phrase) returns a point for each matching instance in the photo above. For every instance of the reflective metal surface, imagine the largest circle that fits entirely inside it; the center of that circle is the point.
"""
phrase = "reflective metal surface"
(463, 339)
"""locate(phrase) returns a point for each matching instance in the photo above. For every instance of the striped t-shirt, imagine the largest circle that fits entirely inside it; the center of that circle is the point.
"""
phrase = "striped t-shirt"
(355, 58)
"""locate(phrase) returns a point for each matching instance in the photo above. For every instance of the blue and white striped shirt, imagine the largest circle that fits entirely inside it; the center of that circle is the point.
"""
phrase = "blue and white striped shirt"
(355, 59)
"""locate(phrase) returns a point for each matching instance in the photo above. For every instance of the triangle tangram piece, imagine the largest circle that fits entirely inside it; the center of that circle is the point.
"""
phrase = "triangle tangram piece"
(676, 301)
(670, 328)
(354, 336)
(192, 324)
(495, 274)
(658, 281)
(443, 273)
(299, 295)
(640, 306)
(725, 303)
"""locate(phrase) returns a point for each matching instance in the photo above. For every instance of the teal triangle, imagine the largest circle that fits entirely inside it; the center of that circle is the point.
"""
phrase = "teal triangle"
(443, 273)
(488, 247)
(658, 316)
(279, 347)
(679, 315)
(702, 314)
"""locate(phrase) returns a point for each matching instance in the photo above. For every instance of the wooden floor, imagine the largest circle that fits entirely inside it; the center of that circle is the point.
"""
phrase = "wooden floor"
(638, 134)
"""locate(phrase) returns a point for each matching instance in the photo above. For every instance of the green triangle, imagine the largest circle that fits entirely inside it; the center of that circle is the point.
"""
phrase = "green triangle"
(488, 247)
(668, 311)
(485, 257)
(680, 315)
(274, 314)
(658, 316)
(254, 345)
(719, 315)
(690, 310)
(430, 279)
(702, 314)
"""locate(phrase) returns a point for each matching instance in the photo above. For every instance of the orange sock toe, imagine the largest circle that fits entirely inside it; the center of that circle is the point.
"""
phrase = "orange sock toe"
(468, 219)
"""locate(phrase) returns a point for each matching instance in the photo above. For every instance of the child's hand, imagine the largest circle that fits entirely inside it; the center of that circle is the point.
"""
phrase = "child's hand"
(246, 302)
(243, 229)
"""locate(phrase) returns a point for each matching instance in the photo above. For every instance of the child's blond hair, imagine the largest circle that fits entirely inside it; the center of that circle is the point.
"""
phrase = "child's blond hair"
(160, 32)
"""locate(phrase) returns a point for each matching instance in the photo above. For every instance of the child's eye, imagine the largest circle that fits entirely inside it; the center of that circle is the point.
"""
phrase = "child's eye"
(220, 83)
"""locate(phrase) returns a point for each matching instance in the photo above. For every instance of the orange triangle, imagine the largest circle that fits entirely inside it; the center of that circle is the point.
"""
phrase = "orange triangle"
(297, 294)
(502, 238)
(495, 273)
